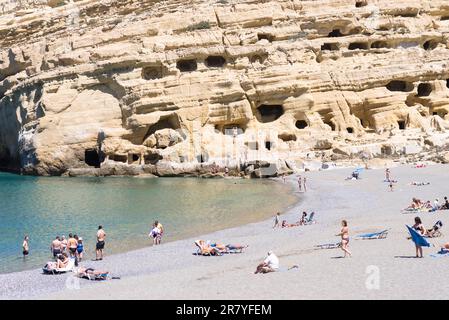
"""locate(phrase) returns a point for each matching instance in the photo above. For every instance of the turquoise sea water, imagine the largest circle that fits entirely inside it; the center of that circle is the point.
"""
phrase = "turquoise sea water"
(43, 207)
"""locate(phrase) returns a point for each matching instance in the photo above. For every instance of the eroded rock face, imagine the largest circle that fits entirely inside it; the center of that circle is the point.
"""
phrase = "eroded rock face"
(171, 87)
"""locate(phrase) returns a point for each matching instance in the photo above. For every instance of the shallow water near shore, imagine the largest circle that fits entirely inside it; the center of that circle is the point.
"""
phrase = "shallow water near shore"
(43, 207)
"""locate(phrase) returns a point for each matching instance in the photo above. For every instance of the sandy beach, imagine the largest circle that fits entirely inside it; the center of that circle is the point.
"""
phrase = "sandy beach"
(171, 271)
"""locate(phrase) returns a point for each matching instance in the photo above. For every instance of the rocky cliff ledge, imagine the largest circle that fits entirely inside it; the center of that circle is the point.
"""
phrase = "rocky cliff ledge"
(171, 87)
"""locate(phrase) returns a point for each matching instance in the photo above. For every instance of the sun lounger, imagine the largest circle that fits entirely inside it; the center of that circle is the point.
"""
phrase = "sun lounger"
(48, 269)
(310, 219)
(435, 232)
(375, 235)
(328, 245)
(418, 239)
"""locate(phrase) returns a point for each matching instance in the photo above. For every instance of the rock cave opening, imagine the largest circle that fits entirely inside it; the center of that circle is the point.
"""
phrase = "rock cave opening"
(92, 158)
(301, 124)
(215, 61)
(133, 157)
(430, 45)
(152, 158)
(359, 4)
(266, 36)
(188, 65)
(329, 47)
(268, 145)
(5, 156)
(202, 158)
(447, 83)
(330, 124)
(152, 73)
(165, 122)
(335, 33)
(398, 85)
(444, 18)
(401, 124)
(350, 130)
(424, 89)
(358, 46)
(269, 113)
(258, 58)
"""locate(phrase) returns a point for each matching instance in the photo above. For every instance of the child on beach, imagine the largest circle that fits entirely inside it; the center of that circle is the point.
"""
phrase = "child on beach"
(344, 234)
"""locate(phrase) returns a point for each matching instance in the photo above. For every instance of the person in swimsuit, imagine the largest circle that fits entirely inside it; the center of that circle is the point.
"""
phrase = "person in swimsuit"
(56, 247)
(155, 233)
(418, 226)
(72, 244)
(79, 248)
(25, 246)
(101, 235)
(62, 261)
(161, 233)
(344, 234)
(299, 183)
(387, 175)
(305, 184)
(63, 244)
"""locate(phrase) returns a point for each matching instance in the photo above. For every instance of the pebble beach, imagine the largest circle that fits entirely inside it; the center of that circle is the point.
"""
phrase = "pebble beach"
(379, 269)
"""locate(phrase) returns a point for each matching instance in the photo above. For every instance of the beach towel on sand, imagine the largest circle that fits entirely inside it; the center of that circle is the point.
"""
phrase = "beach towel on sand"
(417, 238)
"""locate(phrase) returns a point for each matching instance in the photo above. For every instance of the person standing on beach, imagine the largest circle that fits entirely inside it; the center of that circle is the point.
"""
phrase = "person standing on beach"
(161, 228)
(276, 220)
(63, 244)
(101, 236)
(418, 227)
(25, 246)
(305, 185)
(300, 183)
(387, 174)
(79, 247)
(56, 247)
(344, 234)
(72, 244)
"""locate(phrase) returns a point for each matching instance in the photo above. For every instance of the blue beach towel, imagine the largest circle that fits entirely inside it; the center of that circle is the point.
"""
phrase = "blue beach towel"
(418, 239)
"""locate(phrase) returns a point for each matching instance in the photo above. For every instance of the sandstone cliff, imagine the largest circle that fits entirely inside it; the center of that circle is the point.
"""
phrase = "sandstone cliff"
(171, 87)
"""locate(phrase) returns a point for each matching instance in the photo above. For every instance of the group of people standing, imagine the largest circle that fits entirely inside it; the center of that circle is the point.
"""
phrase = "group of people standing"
(156, 232)
(72, 246)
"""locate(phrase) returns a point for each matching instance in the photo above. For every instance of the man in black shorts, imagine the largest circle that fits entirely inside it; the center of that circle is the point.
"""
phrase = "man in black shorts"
(101, 235)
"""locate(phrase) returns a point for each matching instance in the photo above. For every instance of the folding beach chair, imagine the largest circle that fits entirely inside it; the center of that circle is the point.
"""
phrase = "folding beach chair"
(310, 219)
(435, 232)
(70, 266)
(328, 246)
(375, 235)
(418, 239)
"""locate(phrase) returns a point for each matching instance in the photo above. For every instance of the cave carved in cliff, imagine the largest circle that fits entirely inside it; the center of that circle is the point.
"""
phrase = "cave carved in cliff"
(269, 113)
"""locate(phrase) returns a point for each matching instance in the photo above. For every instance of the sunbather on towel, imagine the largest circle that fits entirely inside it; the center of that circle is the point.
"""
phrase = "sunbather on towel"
(445, 248)
(62, 261)
(91, 273)
(233, 247)
(208, 249)
(270, 264)
(288, 225)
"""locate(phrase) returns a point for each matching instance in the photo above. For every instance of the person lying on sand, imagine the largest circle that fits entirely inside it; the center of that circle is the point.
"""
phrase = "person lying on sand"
(414, 183)
(445, 248)
(270, 264)
(92, 274)
(288, 225)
